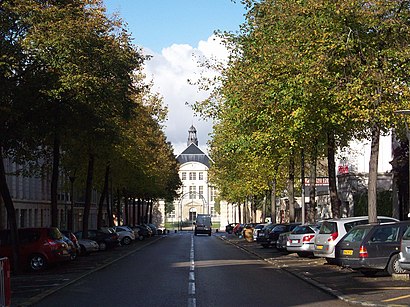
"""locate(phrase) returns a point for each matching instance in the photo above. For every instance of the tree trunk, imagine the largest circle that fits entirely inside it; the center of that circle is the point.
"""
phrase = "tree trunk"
(118, 207)
(265, 200)
(334, 198)
(126, 213)
(54, 180)
(273, 201)
(133, 211)
(11, 215)
(139, 211)
(374, 159)
(151, 209)
(312, 191)
(291, 189)
(109, 207)
(103, 197)
(88, 194)
(239, 213)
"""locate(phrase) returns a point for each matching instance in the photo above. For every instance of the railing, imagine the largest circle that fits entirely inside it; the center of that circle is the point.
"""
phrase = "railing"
(5, 289)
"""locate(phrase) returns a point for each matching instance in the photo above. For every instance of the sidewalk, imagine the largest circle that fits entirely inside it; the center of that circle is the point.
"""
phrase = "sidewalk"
(346, 284)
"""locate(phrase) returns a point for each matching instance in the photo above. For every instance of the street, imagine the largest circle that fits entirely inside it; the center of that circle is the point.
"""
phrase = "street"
(186, 270)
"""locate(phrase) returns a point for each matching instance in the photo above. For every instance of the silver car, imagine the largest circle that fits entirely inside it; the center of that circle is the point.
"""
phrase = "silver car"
(404, 260)
(301, 240)
(333, 230)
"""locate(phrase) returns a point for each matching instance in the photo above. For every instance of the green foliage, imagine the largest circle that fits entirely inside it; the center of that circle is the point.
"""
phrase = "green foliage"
(384, 203)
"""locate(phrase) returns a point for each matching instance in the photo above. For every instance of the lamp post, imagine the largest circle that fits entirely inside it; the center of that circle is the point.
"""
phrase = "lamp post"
(406, 112)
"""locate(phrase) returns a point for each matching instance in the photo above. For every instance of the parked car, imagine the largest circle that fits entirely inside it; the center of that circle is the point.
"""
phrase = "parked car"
(282, 241)
(301, 240)
(143, 231)
(75, 244)
(263, 235)
(229, 228)
(256, 230)
(333, 230)
(88, 246)
(237, 230)
(39, 247)
(372, 248)
(404, 256)
(153, 228)
(104, 239)
(273, 235)
(72, 248)
(125, 233)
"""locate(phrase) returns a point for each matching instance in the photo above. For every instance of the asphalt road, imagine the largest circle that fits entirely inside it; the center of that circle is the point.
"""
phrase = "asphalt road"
(186, 270)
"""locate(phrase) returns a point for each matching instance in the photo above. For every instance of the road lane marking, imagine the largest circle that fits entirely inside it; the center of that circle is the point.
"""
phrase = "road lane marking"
(191, 279)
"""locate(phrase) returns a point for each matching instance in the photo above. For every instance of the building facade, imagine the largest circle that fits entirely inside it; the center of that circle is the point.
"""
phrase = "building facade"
(197, 194)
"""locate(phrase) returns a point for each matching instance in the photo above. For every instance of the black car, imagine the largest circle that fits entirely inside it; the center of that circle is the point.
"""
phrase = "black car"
(263, 235)
(273, 235)
(104, 239)
(372, 248)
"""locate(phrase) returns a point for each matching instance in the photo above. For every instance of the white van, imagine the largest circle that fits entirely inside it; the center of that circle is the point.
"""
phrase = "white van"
(203, 224)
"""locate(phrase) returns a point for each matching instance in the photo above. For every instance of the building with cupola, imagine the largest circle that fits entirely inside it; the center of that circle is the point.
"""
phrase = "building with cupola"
(197, 195)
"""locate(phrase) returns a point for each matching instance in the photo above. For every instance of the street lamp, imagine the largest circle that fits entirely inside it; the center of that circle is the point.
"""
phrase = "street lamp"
(406, 112)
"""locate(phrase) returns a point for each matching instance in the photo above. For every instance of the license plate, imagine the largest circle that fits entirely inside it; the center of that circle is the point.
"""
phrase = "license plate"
(348, 252)
(319, 246)
(295, 241)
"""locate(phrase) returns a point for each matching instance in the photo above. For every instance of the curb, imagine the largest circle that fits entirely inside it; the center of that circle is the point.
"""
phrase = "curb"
(38, 298)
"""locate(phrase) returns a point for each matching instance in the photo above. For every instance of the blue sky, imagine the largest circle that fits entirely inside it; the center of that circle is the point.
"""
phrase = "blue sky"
(156, 24)
(176, 33)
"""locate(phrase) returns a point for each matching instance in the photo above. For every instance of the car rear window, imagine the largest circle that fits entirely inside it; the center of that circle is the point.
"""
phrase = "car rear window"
(406, 235)
(328, 227)
(356, 235)
(302, 230)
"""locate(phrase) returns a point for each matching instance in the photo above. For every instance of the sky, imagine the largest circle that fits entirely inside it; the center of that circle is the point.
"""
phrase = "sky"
(176, 33)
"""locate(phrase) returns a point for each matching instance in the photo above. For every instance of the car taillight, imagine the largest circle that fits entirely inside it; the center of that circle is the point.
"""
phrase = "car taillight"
(333, 237)
(307, 238)
(363, 252)
(53, 244)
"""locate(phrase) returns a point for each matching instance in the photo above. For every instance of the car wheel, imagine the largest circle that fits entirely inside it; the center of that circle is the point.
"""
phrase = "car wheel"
(141, 238)
(37, 262)
(102, 246)
(73, 256)
(126, 240)
(393, 267)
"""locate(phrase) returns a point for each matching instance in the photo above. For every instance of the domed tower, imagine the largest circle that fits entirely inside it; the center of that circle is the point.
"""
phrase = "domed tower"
(192, 138)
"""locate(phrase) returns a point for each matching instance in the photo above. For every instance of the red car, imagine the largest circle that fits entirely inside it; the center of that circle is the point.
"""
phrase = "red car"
(39, 247)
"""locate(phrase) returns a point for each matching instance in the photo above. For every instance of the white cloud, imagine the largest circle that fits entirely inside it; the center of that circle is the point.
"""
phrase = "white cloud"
(170, 72)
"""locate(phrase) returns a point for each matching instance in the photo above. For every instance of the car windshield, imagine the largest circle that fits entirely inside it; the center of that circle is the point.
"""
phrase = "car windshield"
(356, 235)
(406, 235)
(328, 227)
